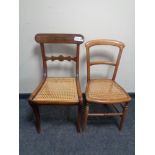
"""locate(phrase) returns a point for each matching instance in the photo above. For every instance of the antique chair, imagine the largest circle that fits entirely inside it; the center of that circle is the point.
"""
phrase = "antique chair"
(62, 90)
(105, 91)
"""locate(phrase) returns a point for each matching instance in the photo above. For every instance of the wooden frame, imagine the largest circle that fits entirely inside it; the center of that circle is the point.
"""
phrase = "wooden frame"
(42, 39)
(122, 113)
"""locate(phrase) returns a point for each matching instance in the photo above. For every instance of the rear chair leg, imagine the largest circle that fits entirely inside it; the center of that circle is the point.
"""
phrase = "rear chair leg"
(85, 116)
(35, 109)
(125, 110)
(79, 118)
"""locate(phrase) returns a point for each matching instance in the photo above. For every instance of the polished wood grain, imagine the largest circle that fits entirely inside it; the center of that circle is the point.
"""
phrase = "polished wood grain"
(104, 42)
(92, 43)
(37, 89)
(105, 91)
(61, 58)
(43, 88)
(59, 38)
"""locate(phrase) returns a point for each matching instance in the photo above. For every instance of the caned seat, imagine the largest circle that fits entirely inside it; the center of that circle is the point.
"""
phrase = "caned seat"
(105, 91)
(58, 90)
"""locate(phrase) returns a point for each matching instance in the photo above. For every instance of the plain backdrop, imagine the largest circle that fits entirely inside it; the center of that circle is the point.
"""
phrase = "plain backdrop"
(145, 74)
(95, 19)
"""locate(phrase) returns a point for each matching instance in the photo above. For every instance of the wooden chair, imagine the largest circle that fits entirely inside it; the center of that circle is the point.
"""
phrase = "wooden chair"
(62, 90)
(105, 91)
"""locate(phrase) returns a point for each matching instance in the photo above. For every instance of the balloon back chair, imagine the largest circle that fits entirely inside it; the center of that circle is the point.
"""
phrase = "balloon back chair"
(57, 90)
(105, 91)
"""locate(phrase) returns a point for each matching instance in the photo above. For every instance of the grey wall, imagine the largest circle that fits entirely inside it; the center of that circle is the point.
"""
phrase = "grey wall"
(112, 19)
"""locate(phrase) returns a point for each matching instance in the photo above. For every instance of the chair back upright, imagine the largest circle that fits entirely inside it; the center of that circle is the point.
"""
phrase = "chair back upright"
(54, 38)
(96, 42)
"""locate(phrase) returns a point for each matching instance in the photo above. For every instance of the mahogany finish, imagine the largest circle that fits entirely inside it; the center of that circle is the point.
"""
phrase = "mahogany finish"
(43, 39)
(59, 38)
(61, 58)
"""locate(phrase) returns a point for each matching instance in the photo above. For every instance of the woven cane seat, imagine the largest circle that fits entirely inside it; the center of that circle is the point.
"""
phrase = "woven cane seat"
(58, 90)
(105, 91)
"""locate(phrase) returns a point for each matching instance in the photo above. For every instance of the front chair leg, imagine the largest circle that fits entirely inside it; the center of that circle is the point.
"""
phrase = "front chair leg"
(79, 118)
(85, 116)
(125, 110)
(35, 109)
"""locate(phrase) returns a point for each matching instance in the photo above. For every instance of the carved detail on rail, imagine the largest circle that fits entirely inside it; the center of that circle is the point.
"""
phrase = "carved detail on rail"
(61, 58)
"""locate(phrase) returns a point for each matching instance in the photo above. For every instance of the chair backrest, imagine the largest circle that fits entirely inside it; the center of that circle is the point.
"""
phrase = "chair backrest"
(76, 39)
(92, 43)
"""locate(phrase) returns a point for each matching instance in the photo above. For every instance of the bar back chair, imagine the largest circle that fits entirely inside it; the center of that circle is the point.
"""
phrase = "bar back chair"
(57, 90)
(105, 91)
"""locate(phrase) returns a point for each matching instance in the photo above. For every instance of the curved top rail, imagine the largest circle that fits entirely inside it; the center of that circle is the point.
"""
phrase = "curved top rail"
(104, 42)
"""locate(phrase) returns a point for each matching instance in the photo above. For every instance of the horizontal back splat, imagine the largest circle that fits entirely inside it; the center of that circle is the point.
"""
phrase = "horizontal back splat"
(61, 58)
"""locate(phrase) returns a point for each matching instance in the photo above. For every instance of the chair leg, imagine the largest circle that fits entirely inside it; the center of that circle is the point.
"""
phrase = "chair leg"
(125, 110)
(35, 109)
(79, 118)
(85, 116)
